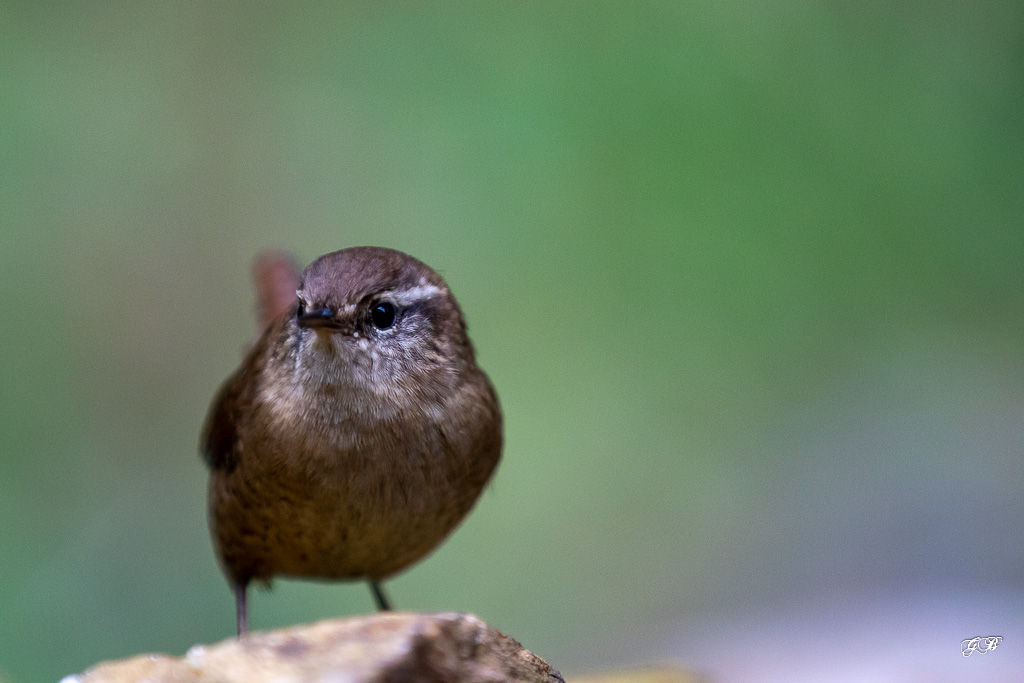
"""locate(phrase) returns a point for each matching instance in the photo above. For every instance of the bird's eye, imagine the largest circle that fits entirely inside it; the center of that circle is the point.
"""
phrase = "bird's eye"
(382, 315)
(301, 309)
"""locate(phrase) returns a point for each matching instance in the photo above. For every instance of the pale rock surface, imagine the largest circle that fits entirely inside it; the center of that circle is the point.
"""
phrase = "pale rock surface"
(382, 647)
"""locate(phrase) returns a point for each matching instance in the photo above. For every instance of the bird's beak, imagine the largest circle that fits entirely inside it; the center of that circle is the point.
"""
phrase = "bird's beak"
(321, 319)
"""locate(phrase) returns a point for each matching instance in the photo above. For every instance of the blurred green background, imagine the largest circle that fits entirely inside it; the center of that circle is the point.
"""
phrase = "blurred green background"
(748, 277)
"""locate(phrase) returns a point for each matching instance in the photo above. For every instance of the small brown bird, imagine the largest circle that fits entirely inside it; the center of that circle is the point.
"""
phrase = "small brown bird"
(356, 434)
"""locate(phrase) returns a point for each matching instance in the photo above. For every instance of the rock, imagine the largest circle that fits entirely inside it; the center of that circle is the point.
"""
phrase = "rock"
(388, 647)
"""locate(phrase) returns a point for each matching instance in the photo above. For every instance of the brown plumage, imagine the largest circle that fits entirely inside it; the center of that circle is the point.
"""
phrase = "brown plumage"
(356, 434)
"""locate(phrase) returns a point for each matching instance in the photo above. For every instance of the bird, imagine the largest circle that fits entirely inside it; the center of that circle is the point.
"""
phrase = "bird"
(357, 432)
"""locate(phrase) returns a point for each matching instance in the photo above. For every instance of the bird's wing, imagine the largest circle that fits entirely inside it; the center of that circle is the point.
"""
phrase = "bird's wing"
(219, 443)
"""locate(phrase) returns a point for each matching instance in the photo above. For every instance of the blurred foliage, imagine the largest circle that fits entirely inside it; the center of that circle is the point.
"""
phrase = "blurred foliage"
(747, 277)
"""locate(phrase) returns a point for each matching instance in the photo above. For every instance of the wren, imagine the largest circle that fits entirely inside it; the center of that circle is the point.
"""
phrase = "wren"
(357, 433)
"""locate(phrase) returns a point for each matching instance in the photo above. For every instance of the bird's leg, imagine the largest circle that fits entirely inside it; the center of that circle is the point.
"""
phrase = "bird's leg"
(383, 604)
(240, 609)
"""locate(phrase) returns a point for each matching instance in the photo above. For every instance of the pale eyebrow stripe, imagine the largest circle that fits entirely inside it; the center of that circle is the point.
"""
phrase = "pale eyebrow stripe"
(404, 297)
